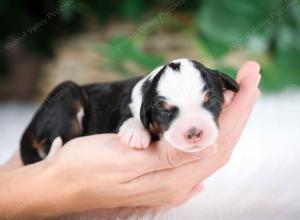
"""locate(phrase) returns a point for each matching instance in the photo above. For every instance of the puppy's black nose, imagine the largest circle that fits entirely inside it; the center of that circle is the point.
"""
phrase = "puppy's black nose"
(193, 134)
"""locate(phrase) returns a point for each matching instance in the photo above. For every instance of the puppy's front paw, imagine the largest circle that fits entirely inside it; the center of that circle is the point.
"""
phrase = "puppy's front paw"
(133, 134)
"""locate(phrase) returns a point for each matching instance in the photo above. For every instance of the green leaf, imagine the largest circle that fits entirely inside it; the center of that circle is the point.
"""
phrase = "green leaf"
(131, 9)
(120, 50)
(230, 24)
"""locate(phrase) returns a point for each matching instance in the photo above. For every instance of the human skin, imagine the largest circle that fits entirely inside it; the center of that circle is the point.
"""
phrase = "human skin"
(98, 171)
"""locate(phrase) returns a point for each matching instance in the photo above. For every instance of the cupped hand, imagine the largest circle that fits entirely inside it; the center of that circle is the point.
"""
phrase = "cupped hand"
(107, 174)
(100, 172)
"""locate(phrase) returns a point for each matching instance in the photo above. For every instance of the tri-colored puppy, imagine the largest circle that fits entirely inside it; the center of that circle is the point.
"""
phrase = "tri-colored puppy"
(179, 102)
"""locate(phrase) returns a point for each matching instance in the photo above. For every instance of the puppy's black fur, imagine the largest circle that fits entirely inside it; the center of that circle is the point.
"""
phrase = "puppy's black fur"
(216, 83)
(153, 111)
(106, 107)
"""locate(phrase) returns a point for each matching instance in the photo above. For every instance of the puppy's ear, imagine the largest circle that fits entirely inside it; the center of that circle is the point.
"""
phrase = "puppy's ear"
(229, 83)
(145, 115)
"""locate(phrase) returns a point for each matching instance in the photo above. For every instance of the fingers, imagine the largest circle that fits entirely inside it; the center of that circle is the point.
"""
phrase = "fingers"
(247, 68)
(242, 102)
(161, 155)
(56, 146)
(199, 187)
(192, 169)
(236, 114)
(249, 78)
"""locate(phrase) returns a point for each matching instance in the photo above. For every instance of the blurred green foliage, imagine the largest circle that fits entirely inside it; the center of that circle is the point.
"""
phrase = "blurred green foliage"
(268, 30)
(120, 51)
(16, 17)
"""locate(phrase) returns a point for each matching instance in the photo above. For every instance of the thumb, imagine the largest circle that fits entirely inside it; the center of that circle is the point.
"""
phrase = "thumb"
(161, 155)
(55, 147)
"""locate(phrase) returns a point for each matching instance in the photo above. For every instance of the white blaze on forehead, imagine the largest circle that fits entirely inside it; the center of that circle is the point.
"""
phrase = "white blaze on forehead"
(137, 93)
(183, 88)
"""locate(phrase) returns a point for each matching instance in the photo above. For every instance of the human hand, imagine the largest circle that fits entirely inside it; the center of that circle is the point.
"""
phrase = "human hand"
(232, 122)
(99, 172)
(108, 174)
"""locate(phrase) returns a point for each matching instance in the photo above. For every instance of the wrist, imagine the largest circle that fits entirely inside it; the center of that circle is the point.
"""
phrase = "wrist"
(63, 188)
(34, 191)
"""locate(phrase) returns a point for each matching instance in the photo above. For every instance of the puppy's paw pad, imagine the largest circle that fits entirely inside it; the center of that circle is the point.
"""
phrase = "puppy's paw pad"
(125, 137)
(133, 134)
(140, 139)
(135, 138)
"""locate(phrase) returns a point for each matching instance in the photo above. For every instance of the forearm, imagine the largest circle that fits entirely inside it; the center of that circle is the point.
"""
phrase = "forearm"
(33, 192)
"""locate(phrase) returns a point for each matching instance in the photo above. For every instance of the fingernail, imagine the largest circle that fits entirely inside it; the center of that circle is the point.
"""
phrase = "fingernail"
(258, 79)
(254, 65)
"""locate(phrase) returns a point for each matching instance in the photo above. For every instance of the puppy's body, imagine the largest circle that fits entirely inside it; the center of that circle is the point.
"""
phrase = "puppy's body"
(179, 102)
(71, 111)
(107, 106)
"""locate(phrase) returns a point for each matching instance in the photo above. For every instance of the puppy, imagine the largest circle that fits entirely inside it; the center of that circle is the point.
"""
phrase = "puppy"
(179, 102)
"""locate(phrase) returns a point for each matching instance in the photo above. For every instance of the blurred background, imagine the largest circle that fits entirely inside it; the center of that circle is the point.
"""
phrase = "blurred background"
(46, 42)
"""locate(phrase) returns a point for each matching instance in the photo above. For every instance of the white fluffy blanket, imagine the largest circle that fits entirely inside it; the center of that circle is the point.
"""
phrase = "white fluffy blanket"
(261, 182)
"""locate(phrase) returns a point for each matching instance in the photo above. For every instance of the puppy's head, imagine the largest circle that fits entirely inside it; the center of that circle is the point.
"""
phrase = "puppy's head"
(182, 101)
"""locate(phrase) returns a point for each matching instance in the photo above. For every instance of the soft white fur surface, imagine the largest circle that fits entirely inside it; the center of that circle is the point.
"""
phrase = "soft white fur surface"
(261, 182)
